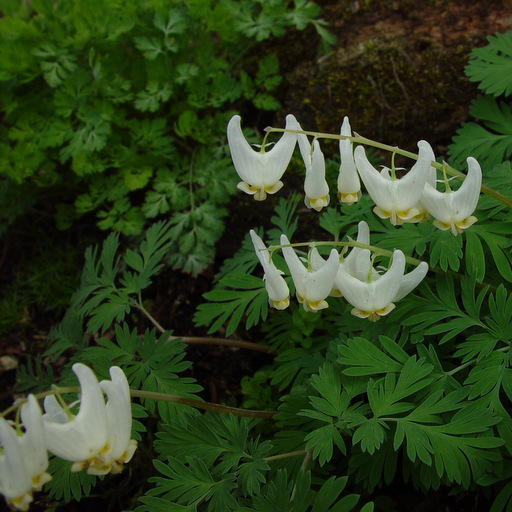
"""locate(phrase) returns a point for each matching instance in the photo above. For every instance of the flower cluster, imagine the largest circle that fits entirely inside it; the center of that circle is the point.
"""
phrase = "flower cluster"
(353, 277)
(96, 438)
(411, 198)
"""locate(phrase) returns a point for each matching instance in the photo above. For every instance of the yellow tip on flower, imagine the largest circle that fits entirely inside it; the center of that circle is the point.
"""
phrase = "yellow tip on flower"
(319, 203)
(281, 304)
(373, 316)
(348, 198)
(397, 218)
(259, 193)
(456, 227)
(314, 306)
(21, 502)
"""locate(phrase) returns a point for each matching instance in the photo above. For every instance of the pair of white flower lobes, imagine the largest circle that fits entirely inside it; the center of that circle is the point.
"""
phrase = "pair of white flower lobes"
(402, 200)
(97, 438)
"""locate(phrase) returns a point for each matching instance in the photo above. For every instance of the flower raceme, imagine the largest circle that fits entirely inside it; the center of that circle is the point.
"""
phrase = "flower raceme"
(260, 171)
(24, 460)
(98, 437)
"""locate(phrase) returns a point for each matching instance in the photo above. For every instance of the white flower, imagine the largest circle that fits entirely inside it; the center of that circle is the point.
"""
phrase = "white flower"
(397, 199)
(97, 438)
(349, 186)
(311, 286)
(356, 263)
(260, 171)
(373, 296)
(315, 186)
(119, 419)
(452, 210)
(277, 289)
(24, 459)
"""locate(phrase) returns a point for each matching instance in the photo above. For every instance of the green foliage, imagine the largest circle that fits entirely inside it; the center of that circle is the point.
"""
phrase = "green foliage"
(107, 103)
(487, 139)
(491, 65)
(237, 293)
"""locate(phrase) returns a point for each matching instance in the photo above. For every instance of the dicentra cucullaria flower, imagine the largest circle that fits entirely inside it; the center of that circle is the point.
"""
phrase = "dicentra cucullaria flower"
(98, 436)
(277, 289)
(349, 186)
(373, 295)
(316, 189)
(452, 210)
(260, 171)
(311, 286)
(397, 199)
(24, 458)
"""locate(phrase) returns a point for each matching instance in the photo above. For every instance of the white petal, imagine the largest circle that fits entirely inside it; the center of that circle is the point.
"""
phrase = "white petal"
(87, 433)
(297, 269)
(259, 248)
(363, 237)
(466, 198)
(118, 408)
(305, 147)
(14, 478)
(276, 286)
(377, 294)
(410, 187)
(256, 168)
(278, 158)
(33, 442)
(411, 280)
(348, 178)
(320, 282)
(451, 207)
(375, 183)
(315, 185)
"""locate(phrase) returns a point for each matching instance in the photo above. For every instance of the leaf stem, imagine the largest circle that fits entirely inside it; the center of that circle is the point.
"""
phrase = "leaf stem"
(473, 361)
(285, 455)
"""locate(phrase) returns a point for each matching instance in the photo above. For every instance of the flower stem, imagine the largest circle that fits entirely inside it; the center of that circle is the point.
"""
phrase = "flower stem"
(408, 154)
(151, 395)
(207, 406)
(197, 340)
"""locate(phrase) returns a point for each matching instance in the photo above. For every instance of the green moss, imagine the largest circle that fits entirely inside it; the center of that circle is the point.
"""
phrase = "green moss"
(395, 88)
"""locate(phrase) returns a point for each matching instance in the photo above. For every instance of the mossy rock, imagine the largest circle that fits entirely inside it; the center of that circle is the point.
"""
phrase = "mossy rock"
(394, 88)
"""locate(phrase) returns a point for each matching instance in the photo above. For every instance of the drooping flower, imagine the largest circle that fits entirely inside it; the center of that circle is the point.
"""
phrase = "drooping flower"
(349, 186)
(374, 296)
(316, 188)
(397, 199)
(277, 289)
(97, 438)
(119, 419)
(452, 210)
(311, 286)
(354, 262)
(24, 460)
(260, 171)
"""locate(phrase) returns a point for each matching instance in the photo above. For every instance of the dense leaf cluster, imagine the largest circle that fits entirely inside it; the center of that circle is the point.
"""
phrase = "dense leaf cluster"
(116, 108)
